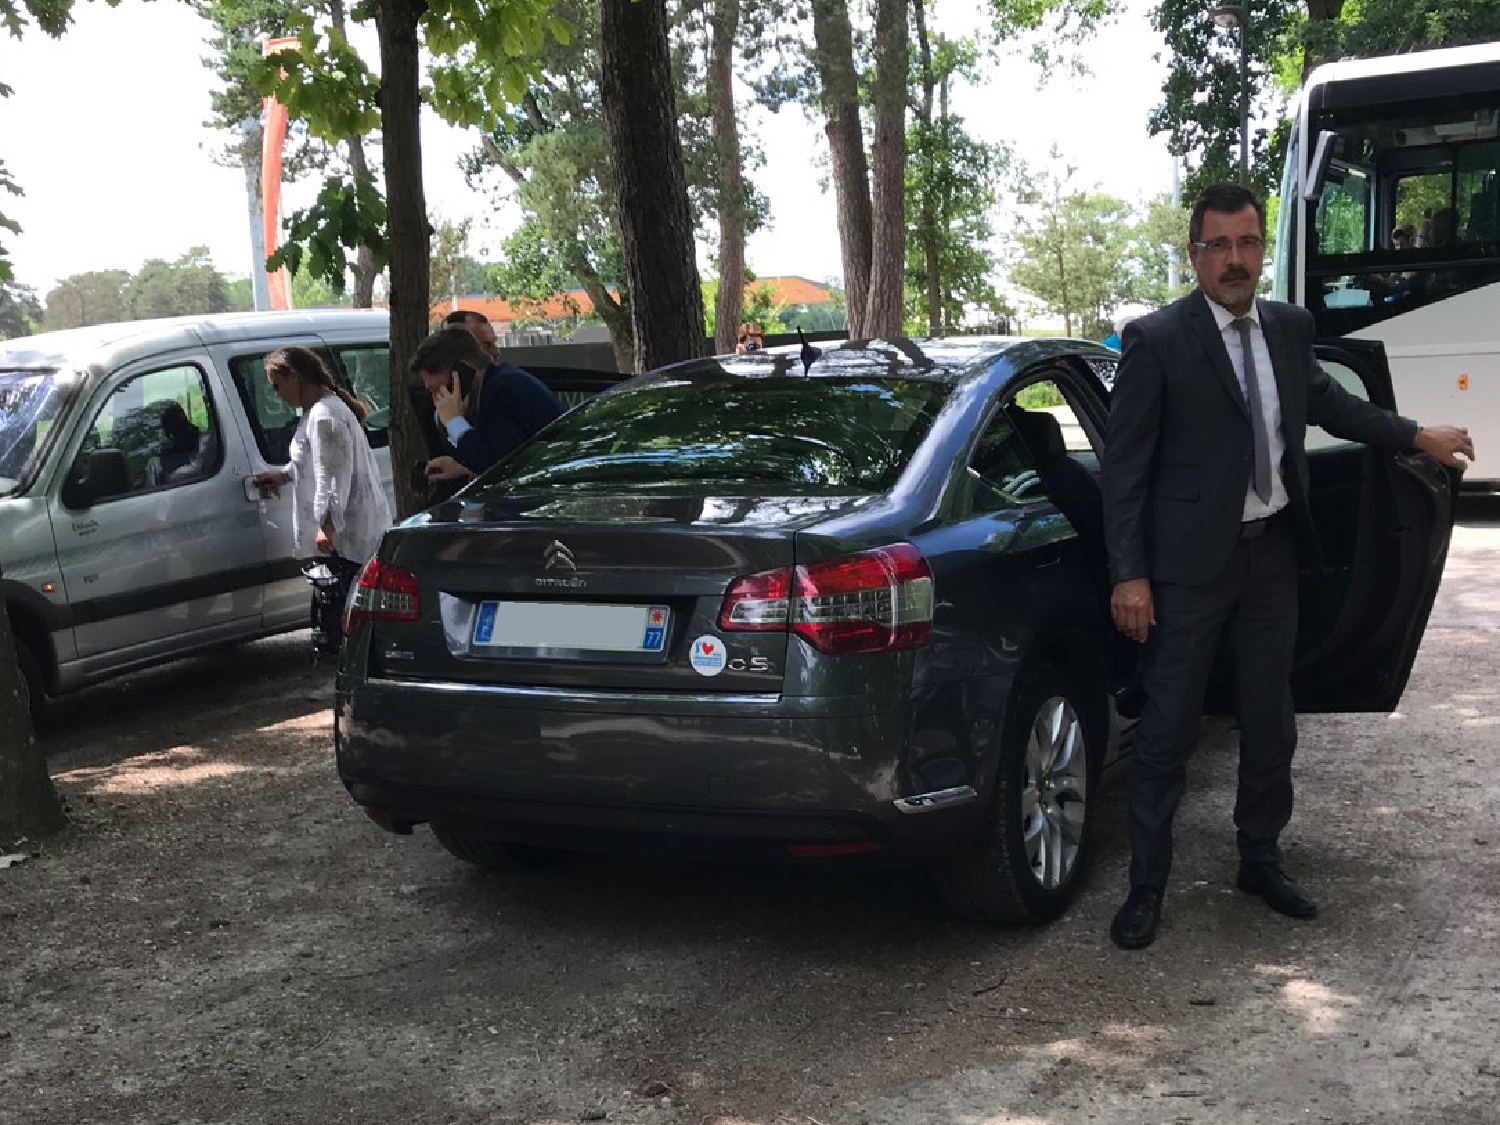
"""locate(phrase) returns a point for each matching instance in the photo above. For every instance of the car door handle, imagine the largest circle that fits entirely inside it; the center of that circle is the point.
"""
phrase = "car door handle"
(1048, 559)
(253, 492)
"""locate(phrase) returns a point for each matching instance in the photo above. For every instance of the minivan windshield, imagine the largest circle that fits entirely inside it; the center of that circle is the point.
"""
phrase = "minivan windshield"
(30, 403)
(805, 436)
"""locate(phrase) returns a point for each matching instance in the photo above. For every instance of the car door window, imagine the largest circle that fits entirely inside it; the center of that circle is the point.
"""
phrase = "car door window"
(1052, 423)
(1002, 471)
(163, 424)
(366, 369)
(1319, 438)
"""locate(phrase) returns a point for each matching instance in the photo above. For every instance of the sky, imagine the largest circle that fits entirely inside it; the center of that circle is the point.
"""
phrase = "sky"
(105, 135)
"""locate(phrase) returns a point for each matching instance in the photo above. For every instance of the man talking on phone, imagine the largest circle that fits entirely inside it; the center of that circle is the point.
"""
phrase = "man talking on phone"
(484, 409)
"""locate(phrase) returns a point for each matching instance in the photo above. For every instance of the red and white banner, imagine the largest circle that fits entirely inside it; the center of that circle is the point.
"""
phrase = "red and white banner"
(273, 139)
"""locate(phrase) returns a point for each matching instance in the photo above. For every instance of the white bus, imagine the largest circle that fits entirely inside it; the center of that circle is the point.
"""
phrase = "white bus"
(1389, 227)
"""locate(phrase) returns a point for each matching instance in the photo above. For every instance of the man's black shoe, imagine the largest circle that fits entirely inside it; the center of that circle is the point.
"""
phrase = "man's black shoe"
(1282, 895)
(1134, 926)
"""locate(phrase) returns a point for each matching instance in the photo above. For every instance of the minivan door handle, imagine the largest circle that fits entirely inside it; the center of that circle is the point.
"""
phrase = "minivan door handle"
(252, 490)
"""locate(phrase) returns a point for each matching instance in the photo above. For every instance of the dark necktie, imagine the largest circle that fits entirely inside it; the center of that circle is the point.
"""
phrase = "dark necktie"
(1257, 414)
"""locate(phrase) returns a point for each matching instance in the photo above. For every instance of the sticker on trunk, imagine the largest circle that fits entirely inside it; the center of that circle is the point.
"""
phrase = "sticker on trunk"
(707, 656)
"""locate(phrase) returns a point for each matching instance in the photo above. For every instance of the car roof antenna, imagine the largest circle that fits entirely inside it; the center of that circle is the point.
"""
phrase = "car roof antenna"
(809, 354)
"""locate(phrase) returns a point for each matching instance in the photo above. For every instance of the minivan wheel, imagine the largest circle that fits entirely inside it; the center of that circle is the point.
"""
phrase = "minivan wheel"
(492, 855)
(1035, 841)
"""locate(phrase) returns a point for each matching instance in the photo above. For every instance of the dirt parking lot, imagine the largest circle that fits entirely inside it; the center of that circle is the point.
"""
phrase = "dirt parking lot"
(223, 938)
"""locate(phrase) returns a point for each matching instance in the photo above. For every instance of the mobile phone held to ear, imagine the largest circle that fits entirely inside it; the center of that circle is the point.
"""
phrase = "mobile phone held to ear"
(465, 375)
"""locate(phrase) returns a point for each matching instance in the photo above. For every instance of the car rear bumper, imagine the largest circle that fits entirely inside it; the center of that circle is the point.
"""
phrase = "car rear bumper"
(760, 777)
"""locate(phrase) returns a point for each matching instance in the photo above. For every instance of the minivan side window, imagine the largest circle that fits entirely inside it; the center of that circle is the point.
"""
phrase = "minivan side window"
(272, 420)
(364, 368)
(165, 426)
(367, 372)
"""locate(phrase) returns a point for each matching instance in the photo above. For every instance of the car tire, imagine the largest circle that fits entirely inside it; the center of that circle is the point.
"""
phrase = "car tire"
(33, 683)
(492, 855)
(1035, 840)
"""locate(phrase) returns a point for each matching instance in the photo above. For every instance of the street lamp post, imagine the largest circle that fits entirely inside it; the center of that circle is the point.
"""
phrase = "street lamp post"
(1238, 15)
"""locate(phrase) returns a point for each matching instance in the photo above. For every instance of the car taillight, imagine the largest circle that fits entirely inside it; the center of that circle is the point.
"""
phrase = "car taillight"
(757, 602)
(384, 592)
(872, 601)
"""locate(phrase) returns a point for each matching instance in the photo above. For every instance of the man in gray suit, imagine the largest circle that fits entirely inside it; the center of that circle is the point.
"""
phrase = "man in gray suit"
(1205, 503)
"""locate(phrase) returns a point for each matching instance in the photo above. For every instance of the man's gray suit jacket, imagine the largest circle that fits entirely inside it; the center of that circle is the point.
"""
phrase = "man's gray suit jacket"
(1177, 459)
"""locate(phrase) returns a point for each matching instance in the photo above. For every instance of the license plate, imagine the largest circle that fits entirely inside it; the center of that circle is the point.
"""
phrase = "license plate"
(572, 626)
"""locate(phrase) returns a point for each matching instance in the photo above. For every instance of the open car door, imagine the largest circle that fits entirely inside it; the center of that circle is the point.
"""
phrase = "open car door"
(1384, 521)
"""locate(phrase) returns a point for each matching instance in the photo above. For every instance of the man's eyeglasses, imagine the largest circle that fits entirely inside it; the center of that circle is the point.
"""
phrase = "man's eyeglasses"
(750, 336)
(1250, 245)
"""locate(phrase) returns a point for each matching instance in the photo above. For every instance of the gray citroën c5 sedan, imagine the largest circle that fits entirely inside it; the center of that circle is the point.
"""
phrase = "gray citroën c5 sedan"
(848, 605)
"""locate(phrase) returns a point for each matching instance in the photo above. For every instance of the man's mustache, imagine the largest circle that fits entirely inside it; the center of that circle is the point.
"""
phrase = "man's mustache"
(1234, 275)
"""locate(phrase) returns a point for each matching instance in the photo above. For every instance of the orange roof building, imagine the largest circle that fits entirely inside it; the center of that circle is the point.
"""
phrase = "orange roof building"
(574, 304)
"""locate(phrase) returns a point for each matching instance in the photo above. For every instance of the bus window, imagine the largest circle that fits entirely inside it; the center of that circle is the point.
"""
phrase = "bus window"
(1286, 225)
(1479, 194)
(1344, 212)
(1431, 166)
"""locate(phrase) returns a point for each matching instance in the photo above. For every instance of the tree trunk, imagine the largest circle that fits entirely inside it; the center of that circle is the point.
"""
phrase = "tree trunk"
(656, 223)
(888, 172)
(834, 56)
(364, 258)
(29, 805)
(408, 231)
(726, 127)
(614, 313)
(927, 224)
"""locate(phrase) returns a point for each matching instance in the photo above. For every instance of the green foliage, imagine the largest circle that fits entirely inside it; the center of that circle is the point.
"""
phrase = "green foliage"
(20, 312)
(1039, 396)
(1074, 248)
(760, 306)
(241, 294)
(8, 186)
(310, 291)
(531, 269)
(1154, 242)
(94, 297)
(952, 190)
(347, 214)
(324, 81)
(1386, 27)
(481, 59)
(191, 284)
(1200, 109)
(554, 156)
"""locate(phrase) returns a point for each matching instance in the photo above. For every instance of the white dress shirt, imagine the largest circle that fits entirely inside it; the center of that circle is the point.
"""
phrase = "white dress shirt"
(1270, 402)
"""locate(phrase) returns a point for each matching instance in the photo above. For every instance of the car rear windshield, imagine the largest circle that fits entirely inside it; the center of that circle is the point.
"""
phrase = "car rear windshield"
(30, 403)
(801, 435)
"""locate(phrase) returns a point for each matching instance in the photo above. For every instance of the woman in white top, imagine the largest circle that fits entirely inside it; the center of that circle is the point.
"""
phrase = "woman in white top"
(339, 509)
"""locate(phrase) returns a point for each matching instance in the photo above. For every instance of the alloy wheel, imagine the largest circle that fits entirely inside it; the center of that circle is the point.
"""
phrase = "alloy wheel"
(1054, 794)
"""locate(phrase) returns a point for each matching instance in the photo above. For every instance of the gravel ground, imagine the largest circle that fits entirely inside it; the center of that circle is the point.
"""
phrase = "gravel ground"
(222, 937)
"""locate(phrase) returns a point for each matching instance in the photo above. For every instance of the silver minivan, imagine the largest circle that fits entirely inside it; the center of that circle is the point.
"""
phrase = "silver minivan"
(130, 533)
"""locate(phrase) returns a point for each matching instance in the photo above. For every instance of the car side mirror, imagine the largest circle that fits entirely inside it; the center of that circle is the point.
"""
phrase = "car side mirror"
(100, 474)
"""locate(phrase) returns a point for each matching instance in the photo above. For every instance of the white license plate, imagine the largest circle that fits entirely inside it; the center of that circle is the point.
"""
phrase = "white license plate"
(571, 625)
